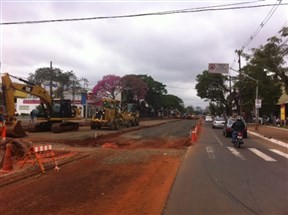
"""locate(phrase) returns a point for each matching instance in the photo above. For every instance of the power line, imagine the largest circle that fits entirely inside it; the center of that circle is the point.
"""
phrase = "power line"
(266, 19)
(191, 10)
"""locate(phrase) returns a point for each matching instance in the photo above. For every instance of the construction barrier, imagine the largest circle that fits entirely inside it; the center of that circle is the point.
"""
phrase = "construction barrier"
(37, 153)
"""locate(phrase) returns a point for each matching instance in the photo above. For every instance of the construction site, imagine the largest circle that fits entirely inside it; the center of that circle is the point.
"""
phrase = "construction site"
(126, 171)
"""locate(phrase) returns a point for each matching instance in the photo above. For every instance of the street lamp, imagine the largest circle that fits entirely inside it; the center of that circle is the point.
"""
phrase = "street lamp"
(256, 99)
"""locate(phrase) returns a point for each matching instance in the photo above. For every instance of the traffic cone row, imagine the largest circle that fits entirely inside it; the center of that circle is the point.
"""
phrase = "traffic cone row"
(195, 132)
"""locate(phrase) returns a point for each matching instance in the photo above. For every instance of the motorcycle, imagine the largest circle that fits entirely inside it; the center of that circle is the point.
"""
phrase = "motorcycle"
(239, 139)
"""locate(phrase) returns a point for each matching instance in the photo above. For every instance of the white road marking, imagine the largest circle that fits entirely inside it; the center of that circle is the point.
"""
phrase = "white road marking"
(280, 143)
(279, 153)
(217, 139)
(261, 154)
(235, 152)
(210, 152)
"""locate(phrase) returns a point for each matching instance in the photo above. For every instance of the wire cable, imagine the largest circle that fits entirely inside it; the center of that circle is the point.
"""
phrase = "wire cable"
(195, 10)
(266, 19)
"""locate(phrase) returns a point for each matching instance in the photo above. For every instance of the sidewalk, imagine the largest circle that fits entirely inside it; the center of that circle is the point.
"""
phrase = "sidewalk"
(270, 133)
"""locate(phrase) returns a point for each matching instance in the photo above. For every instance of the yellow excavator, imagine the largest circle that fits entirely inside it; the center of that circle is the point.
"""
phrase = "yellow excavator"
(58, 115)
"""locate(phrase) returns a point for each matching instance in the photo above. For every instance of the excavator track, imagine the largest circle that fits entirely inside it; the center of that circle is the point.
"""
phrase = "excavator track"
(39, 127)
(64, 126)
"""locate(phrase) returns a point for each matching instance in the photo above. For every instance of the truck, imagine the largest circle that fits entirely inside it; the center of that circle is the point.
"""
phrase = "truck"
(58, 115)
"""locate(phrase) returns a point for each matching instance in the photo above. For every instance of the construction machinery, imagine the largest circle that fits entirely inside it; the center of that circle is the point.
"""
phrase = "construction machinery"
(57, 115)
(130, 115)
(107, 116)
(110, 115)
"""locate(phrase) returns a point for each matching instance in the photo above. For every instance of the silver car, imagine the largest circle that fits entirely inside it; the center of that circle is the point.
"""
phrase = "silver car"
(218, 122)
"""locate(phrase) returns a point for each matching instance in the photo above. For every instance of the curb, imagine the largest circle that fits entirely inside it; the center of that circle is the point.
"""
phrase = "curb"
(272, 140)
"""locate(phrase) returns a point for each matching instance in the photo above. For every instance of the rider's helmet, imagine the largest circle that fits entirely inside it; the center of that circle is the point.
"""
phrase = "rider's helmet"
(238, 118)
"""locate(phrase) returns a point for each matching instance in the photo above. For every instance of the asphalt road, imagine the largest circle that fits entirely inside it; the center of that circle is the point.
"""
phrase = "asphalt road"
(217, 178)
(180, 128)
(214, 178)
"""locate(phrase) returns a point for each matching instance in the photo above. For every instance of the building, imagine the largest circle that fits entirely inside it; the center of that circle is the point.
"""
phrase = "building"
(283, 106)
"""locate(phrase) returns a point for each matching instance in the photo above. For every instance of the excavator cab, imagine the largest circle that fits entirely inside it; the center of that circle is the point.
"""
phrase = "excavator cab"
(62, 109)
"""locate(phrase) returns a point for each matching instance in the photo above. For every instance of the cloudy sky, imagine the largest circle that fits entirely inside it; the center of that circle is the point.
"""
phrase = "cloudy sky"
(173, 48)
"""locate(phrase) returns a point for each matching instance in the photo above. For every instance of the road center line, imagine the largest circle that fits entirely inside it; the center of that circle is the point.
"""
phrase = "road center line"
(235, 152)
(261, 154)
(219, 141)
(279, 153)
(210, 152)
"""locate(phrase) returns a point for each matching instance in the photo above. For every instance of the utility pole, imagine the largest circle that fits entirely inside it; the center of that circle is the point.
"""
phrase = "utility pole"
(51, 72)
(239, 52)
(256, 98)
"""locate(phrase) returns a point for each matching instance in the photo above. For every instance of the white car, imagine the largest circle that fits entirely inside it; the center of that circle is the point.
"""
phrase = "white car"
(208, 118)
(218, 122)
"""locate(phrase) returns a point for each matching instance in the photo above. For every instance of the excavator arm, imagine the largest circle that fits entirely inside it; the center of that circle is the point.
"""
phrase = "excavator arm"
(9, 88)
(58, 113)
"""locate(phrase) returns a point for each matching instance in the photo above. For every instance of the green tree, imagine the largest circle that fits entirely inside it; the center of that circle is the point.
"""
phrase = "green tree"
(269, 84)
(213, 87)
(172, 102)
(133, 88)
(155, 91)
(65, 80)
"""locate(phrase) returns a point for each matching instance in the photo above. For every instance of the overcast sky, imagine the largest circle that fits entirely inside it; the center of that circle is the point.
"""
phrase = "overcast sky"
(173, 49)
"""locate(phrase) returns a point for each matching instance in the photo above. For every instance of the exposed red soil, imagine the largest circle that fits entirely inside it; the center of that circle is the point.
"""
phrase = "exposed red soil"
(131, 177)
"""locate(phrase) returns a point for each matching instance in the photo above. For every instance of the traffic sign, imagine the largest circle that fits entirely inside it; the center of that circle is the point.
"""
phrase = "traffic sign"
(258, 103)
(218, 68)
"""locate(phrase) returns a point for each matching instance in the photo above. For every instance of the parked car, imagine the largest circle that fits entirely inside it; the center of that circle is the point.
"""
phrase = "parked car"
(227, 130)
(218, 122)
(208, 118)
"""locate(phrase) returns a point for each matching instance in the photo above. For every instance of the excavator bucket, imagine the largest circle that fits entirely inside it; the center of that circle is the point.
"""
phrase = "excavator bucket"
(14, 129)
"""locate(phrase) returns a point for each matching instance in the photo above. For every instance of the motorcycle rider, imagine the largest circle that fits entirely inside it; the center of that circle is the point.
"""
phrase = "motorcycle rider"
(238, 125)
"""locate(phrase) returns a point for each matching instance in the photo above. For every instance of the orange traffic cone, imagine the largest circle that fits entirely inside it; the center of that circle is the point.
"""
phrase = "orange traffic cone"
(193, 137)
(3, 135)
(7, 163)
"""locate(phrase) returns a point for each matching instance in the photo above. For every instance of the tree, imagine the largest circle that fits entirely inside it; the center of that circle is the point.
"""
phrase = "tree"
(217, 92)
(172, 102)
(260, 63)
(65, 80)
(154, 92)
(108, 87)
(133, 88)
(271, 58)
